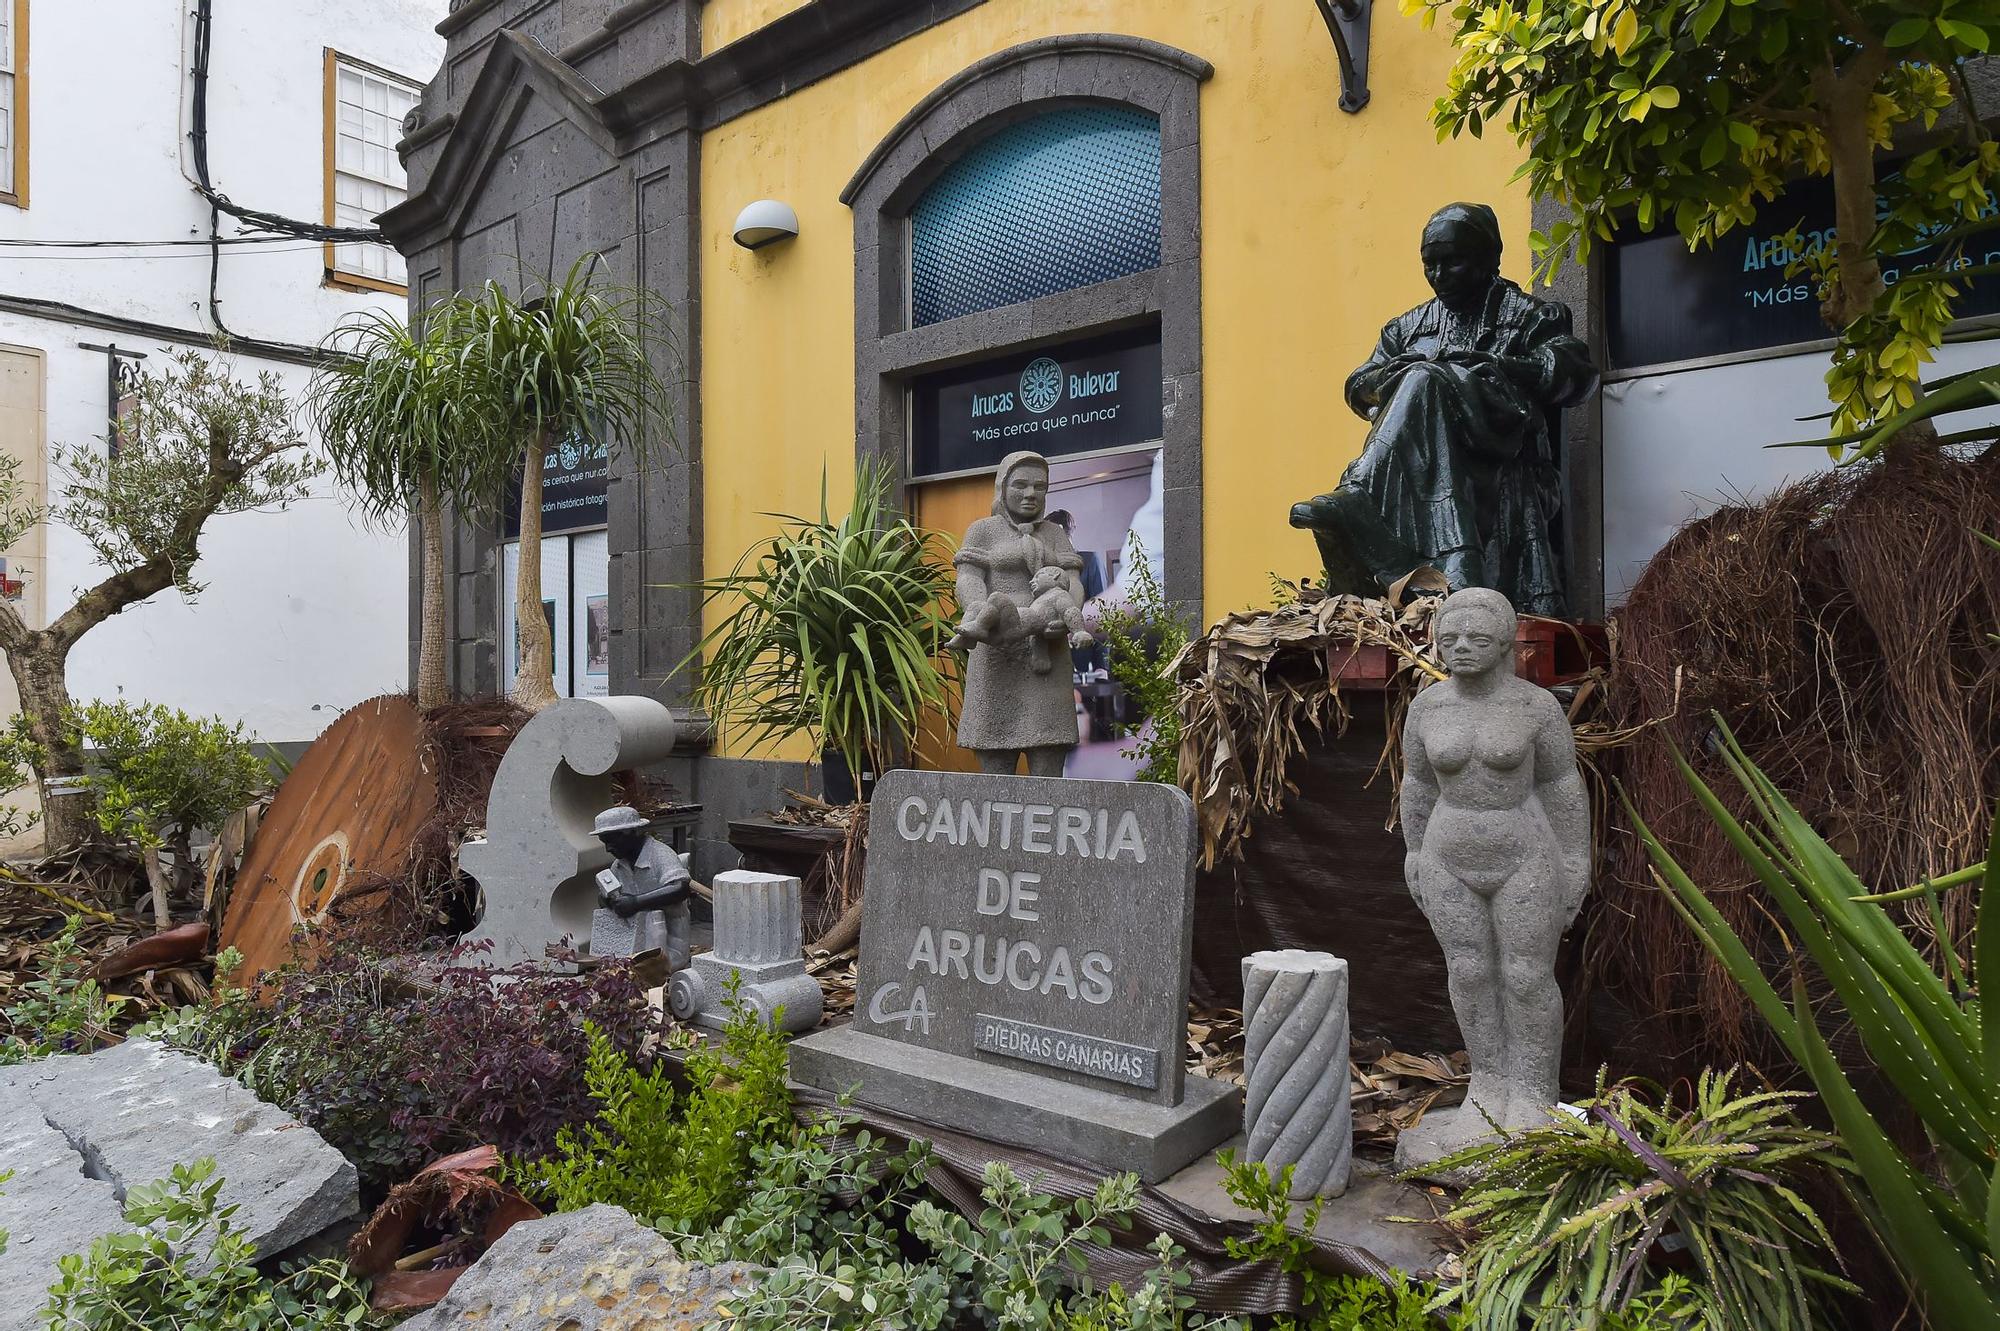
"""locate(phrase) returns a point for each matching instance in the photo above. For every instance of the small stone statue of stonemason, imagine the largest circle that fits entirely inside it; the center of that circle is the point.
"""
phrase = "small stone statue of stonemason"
(1497, 827)
(1014, 701)
(643, 895)
(1465, 394)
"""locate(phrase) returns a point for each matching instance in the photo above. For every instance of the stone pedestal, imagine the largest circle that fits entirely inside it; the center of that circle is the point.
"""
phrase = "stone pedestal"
(1297, 1106)
(757, 937)
(1024, 970)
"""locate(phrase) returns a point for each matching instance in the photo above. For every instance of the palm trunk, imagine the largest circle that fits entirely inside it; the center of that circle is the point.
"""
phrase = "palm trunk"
(534, 682)
(40, 668)
(432, 691)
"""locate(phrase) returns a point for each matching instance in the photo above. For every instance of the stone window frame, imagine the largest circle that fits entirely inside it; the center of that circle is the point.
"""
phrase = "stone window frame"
(1002, 89)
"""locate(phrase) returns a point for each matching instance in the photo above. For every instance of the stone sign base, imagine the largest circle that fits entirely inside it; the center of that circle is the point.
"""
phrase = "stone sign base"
(1113, 1132)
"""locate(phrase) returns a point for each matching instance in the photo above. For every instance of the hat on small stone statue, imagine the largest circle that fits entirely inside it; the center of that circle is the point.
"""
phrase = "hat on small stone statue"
(619, 818)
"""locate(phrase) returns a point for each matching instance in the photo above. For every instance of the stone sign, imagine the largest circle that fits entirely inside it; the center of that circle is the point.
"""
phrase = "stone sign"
(1026, 940)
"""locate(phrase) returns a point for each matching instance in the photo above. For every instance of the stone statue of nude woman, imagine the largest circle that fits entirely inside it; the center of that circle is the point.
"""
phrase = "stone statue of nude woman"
(1497, 827)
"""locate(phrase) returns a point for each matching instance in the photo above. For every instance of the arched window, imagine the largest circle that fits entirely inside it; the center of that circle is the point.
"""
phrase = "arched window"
(1063, 200)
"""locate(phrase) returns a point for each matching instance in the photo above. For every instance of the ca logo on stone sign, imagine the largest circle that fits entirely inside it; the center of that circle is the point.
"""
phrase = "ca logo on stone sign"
(1041, 385)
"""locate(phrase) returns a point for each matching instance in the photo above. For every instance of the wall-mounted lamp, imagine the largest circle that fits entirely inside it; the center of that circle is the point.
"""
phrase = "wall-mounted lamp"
(765, 222)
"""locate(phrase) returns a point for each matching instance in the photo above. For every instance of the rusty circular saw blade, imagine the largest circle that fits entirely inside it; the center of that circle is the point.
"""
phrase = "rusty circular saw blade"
(348, 810)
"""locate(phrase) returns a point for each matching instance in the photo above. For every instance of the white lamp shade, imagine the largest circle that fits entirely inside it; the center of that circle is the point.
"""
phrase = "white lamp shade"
(765, 221)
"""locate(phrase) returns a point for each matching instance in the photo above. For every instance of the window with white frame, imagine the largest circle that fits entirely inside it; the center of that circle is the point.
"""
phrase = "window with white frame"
(365, 109)
(13, 100)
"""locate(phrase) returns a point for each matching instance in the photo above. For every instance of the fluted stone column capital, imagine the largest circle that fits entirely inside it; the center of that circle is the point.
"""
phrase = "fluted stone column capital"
(758, 939)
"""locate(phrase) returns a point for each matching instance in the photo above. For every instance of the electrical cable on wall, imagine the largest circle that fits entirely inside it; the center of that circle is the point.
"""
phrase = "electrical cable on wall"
(218, 202)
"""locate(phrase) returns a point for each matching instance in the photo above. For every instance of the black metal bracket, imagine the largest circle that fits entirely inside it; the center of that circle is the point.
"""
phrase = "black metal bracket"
(121, 386)
(1347, 23)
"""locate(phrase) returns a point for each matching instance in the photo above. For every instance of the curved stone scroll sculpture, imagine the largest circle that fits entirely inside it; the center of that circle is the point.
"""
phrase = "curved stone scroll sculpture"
(1297, 1101)
(757, 928)
(538, 861)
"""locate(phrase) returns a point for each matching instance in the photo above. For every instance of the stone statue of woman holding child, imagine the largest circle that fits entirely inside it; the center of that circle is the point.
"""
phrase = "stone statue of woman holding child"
(1020, 587)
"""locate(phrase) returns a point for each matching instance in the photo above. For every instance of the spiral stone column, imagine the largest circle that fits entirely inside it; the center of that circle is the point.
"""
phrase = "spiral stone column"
(1297, 1106)
(757, 936)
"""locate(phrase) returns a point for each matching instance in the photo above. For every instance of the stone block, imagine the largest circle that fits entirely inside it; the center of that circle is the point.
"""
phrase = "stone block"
(80, 1130)
(1024, 967)
(1020, 1108)
(1297, 1100)
(537, 863)
(596, 1269)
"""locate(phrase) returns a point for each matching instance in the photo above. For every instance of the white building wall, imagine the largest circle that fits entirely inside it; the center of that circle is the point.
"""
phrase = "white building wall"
(305, 612)
(1680, 444)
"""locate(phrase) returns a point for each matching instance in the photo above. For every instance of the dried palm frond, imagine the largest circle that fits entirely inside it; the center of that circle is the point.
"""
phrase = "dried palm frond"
(1258, 681)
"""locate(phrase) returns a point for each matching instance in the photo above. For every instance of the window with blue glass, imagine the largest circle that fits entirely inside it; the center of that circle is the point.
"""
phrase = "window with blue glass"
(1060, 201)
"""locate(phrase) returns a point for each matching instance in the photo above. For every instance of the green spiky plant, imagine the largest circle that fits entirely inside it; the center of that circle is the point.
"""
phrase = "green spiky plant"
(406, 437)
(1569, 1212)
(835, 630)
(1928, 1034)
(568, 358)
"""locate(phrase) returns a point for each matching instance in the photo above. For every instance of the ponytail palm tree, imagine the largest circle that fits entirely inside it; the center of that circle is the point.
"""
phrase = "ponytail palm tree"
(568, 359)
(406, 437)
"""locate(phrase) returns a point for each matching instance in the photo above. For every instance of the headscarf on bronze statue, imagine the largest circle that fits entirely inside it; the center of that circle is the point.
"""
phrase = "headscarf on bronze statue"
(1460, 470)
(1018, 583)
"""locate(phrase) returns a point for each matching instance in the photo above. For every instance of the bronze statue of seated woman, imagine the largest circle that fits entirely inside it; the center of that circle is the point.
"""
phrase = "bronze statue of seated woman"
(1460, 469)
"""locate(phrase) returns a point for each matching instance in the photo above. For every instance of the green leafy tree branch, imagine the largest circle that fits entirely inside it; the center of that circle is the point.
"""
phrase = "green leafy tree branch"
(1695, 113)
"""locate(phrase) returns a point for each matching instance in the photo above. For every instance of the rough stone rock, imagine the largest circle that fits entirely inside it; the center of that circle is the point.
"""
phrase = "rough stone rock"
(596, 1269)
(79, 1130)
(50, 1208)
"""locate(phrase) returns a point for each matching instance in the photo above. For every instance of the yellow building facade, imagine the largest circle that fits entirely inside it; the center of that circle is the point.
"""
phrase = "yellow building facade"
(1285, 232)
(1309, 226)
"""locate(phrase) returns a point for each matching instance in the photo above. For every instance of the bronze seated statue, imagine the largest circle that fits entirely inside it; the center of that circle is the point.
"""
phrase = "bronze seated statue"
(1460, 469)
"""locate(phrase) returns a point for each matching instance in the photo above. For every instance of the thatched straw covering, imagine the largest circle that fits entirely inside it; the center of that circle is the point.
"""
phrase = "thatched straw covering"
(1842, 628)
(1253, 685)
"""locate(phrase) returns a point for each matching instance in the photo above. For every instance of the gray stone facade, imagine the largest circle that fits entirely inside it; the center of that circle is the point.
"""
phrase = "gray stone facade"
(558, 128)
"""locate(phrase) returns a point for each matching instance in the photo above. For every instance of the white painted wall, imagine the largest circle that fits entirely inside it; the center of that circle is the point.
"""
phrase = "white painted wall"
(305, 612)
(1677, 446)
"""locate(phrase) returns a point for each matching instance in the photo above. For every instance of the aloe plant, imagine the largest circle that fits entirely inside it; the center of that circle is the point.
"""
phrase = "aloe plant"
(1571, 1213)
(835, 629)
(1927, 1033)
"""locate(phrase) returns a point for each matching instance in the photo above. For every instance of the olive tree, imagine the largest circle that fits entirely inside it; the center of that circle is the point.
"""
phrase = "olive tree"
(197, 443)
(1694, 114)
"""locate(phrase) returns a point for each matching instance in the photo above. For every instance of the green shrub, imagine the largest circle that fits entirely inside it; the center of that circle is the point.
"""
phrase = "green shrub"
(64, 1012)
(160, 775)
(1327, 1302)
(681, 1166)
(829, 1187)
(185, 1264)
(1570, 1211)
(1142, 638)
(1020, 1267)
(1025, 1246)
(20, 757)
